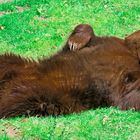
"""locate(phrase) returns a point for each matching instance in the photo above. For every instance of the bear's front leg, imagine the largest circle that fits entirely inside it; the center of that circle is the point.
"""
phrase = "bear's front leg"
(79, 38)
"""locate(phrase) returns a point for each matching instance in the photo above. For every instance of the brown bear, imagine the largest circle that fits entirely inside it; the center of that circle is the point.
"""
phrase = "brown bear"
(102, 76)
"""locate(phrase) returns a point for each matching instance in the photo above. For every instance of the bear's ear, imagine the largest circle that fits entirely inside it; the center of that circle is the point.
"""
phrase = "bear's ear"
(133, 42)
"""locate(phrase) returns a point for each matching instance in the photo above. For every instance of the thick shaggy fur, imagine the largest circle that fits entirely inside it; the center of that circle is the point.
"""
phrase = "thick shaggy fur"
(104, 75)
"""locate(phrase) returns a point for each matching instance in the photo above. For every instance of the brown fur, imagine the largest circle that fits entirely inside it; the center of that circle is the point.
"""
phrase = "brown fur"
(84, 36)
(11, 66)
(105, 75)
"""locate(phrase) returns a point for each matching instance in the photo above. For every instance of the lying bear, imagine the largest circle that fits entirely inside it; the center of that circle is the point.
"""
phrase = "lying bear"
(107, 74)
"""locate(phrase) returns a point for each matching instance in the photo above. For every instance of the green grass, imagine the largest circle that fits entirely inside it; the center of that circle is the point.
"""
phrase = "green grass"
(104, 124)
(40, 30)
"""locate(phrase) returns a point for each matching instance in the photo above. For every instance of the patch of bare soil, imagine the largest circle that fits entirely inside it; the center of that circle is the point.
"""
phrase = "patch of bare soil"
(4, 13)
(19, 9)
(40, 18)
(11, 131)
(2, 1)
